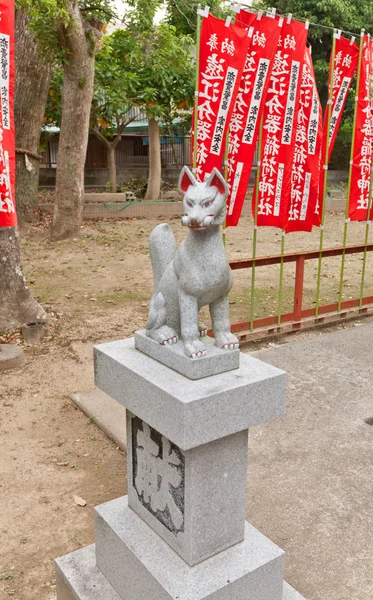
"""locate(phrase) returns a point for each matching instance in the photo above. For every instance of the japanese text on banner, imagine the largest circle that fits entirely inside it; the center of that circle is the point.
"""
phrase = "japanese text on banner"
(222, 58)
(305, 173)
(361, 171)
(248, 110)
(279, 119)
(345, 65)
(8, 217)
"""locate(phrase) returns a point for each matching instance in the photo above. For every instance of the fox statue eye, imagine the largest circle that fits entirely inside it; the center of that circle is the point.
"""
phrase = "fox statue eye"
(207, 204)
(189, 203)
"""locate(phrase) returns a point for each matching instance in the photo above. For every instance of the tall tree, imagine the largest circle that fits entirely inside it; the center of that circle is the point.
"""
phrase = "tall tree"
(165, 67)
(16, 303)
(71, 30)
(116, 93)
(31, 87)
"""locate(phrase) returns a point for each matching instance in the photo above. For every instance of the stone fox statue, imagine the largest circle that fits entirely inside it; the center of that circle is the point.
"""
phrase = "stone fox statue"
(194, 275)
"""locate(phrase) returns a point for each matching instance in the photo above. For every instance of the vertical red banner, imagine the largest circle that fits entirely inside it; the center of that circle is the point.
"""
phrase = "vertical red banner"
(305, 175)
(279, 128)
(248, 110)
(345, 65)
(8, 217)
(223, 52)
(361, 171)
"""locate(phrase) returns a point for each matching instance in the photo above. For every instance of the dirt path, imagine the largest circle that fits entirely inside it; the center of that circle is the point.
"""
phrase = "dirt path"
(97, 288)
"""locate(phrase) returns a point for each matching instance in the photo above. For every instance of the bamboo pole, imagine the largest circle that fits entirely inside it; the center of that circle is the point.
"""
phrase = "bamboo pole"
(345, 232)
(255, 234)
(281, 286)
(196, 93)
(326, 165)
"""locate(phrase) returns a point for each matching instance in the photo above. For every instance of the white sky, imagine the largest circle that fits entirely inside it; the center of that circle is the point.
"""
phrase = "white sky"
(122, 6)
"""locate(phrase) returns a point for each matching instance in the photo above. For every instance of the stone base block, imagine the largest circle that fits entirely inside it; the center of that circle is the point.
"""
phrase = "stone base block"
(217, 361)
(189, 413)
(108, 414)
(79, 578)
(141, 566)
(11, 357)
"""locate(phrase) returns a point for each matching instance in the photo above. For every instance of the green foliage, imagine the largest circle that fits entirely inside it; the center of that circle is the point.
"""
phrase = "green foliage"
(163, 62)
(117, 85)
(137, 185)
(52, 22)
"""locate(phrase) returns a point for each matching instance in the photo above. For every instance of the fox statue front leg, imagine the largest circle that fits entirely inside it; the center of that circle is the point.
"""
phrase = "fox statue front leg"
(189, 326)
(219, 311)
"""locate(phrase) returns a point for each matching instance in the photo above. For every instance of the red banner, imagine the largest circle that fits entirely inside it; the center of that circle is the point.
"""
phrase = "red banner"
(279, 117)
(305, 174)
(222, 58)
(345, 65)
(248, 110)
(361, 171)
(245, 19)
(8, 217)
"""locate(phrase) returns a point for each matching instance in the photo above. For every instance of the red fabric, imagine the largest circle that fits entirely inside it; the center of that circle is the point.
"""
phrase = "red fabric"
(279, 128)
(362, 155)
(222, 57)
(248, 110)
(8, 216)
(245, 18)
(345, 65)
(306, 162)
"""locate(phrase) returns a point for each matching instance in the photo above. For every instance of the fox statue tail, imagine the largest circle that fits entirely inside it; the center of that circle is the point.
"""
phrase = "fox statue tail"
(162, 248)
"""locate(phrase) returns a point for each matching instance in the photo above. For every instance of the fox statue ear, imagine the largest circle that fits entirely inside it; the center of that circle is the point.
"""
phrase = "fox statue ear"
(217, 180)
(186, 179)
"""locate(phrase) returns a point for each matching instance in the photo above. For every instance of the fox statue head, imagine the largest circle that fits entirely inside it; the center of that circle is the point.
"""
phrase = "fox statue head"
(204, 203)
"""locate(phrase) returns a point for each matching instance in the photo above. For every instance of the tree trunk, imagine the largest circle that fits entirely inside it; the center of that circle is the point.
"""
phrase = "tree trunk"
(76, 106)
(31, 87)
(155, 165)
(112, 167)
(17, 306)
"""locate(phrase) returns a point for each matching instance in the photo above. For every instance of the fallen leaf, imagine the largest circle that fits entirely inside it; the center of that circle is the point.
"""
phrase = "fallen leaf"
(63, 464)
(79, 501)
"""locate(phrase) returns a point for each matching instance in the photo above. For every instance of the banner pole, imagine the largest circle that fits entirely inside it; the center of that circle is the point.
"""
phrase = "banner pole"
(255, 234)
(196, 93)
(280, 291)
(326, 166)
(226, 154)
(345, 232)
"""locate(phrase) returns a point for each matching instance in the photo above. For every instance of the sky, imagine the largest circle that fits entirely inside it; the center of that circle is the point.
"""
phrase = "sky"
(121, 7)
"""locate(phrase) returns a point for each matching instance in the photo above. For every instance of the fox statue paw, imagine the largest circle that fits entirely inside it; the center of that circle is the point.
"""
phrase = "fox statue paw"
(164, 336)
(226, 341)
(195, 349)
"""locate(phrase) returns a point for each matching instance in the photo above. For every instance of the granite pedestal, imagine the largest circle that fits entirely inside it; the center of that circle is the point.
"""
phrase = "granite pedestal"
(181, 534)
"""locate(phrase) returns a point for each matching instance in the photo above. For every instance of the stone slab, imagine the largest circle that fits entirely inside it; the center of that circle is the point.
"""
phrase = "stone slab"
(140, 565)
(11, 356)
(217, 360)
(78, 577)
(190, 413)
(289, 593)
(211, 483)
(108, 414)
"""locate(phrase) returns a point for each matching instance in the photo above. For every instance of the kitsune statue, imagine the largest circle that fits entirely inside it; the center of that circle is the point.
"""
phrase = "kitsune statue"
(194, 275)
